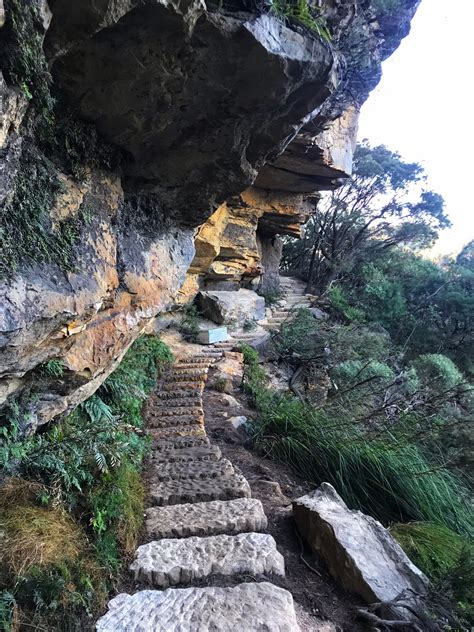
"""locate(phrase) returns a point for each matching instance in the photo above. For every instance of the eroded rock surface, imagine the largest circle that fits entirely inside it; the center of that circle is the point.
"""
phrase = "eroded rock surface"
(169, 562)
(227, 114)
(227, 307)
(359, 552)
(223, 609)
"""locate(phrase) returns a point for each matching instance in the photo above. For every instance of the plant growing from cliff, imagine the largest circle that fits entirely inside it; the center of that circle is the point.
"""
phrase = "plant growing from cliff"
(52, 368)
(300, 11)
(24, 61)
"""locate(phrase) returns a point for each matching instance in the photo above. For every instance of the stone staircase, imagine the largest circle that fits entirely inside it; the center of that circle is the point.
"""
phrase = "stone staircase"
(202, 527)
(294, 295)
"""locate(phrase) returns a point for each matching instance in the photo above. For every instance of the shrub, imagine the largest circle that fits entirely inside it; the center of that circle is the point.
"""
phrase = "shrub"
(341, 304)
(432, 547)
(190, 322)
(81, 507)
(249, 325)
(299, 338)
(437, 371)
(383, 476)
(117, 505)
(271, 297)
(52, 368)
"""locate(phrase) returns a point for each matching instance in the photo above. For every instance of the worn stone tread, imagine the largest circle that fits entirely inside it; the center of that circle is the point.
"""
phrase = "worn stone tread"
(255, 607)
(208, 518)
(187, 455)
(174, 562)
(175, 444)
(177, 411)
(176, 431)
(188, 491)
(175, 420)
(192, 387)
(164, 472)
(176, 394)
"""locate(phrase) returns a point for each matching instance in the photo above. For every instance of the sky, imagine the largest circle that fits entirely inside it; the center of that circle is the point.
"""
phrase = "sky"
(424, 109)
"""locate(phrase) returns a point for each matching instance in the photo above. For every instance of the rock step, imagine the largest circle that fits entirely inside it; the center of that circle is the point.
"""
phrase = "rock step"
(186, 455)
(174, 562)
(184, 471)
(243, 608)
(169, 403)
(176, 444)
(171, 432)
(176, 394)
(195, 491)
(190, 371)
(190, 386)
(179, 379)
(188, 362)
(174, 420)
(209, 518)
(178, 411)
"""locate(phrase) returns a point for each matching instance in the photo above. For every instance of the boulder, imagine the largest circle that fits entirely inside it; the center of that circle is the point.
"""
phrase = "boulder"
(359, 552)
(223, 306)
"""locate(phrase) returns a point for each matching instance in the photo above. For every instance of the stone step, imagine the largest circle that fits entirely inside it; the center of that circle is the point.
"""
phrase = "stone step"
(176, 444)
(188, 385)
(174, 420)
(171, 432)
(186, 455)
(196, 491)
(167, 472)
(247, 607)
(190, 371)
(174, 411)
(174, 562)
(179, 379)
(170, 403)
(209, 518)
(176, 394)
(190, 362)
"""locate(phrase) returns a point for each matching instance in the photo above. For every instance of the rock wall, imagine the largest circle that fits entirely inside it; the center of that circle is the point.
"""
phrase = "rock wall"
(151, 148)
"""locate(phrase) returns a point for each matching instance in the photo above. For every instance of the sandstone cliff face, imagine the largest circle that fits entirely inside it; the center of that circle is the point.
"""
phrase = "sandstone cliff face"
(207, 133)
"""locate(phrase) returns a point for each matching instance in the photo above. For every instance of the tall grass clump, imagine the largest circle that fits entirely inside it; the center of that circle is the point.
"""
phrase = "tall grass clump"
(384, 476)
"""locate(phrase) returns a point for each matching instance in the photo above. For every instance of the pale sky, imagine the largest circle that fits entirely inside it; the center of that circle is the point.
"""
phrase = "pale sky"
(424, 109)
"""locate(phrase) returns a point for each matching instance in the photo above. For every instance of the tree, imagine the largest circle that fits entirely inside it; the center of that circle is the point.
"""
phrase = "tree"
(383, 205)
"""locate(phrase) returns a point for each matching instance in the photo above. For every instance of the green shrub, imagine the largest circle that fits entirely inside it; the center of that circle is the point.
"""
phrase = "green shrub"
(437, 371)
(249, 325)
(341, 304)
(298, 338)
(445, 557)
(383, 476)
(432, 547)
(190, 322)
(52, 368)
(78, 507)
(271, 297)
(301, 11)
(358, 371)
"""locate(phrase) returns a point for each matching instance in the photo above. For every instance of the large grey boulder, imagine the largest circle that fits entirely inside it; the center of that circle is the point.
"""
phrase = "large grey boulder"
(359, 552)
(231, 307)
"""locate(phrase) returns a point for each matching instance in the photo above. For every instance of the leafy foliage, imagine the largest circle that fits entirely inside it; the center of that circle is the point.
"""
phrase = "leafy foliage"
(383, 205)
(52, 368)
(76, 502)
(384, 475)
(190, 322)
(300, 11)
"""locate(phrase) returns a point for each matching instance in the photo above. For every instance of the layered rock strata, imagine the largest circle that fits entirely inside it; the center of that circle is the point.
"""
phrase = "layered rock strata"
(131, 125)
